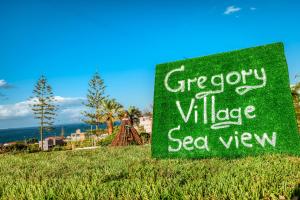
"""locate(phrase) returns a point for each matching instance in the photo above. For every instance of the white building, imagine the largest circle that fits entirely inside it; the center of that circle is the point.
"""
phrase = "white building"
(77, 136)
(146, 123)
(51, 142)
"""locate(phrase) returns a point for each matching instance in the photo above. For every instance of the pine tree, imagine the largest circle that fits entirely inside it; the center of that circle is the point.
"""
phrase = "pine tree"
(95, 96)
(43, 106)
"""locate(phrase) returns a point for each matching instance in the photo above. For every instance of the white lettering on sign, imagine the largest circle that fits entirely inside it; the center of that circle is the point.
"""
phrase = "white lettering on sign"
(181, 83)
(236, 141)
(216, 81)
(187, 116)
(188, 143)
(217, 117)
(171, 149)
(245, 140)
(246, 88)
(220, 118)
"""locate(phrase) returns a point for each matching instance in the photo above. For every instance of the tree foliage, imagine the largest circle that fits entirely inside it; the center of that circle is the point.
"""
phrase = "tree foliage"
(296, 99)
(135, 113)
(111, 112)
(95, 97)
(43, 105)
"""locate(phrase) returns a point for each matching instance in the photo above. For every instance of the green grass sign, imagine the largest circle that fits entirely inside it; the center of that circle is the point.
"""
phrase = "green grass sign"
(230, 104)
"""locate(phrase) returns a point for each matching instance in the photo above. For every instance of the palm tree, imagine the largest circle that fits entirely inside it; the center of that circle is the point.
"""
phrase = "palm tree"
(134, 114)
(111, 110)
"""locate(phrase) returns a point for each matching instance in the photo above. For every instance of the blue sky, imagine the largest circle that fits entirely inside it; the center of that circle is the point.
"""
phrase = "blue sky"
(68, 40)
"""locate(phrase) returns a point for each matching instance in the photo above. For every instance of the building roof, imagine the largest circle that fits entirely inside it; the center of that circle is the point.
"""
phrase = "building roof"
(54, 138)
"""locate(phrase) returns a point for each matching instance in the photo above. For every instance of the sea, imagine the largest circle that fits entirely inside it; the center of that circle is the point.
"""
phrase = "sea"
(21, 134)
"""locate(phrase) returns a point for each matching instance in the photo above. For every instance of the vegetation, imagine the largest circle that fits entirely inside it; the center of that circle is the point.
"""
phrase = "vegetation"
(148, 111)
(107, 141)
(90, 132)
(111, 113)
(130, 173)
(43, 106)
(100, 107)
(95, 97)
(146, 137)
(134, 114)
(77, 144)
(18, 146)
(296, 99)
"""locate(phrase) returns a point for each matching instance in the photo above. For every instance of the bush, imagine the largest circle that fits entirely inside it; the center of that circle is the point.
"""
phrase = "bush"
(14, 148)
(57, 148)
(145, 137)
(32, 141)
(32, 148)
(20, 147)
(107, 141)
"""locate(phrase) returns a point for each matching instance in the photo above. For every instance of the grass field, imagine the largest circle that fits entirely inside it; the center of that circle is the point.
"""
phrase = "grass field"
(131, 173)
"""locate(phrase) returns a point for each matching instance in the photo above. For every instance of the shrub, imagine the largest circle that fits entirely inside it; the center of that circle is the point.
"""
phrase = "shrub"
(14, 148)
(31, 141)
(32, 148)
(145, 137)
(107, 141)
(57, 148)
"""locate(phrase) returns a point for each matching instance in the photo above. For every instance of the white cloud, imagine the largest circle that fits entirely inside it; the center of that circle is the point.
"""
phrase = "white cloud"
(20, 109)
(73, 114)
(231, 9)
(67, 105)
(74, 111)
(252, 8)
(68, 100)
(3, 83)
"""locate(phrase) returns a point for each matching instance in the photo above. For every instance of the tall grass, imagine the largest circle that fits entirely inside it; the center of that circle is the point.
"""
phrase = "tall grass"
(131, 173)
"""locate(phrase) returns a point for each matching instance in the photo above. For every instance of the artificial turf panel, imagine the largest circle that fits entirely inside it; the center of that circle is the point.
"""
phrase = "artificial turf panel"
(230, 104)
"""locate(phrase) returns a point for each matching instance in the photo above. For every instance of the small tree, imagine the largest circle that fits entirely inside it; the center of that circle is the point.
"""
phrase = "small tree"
(95, 96)
(112, 111)
(135, 114)
(43, 106)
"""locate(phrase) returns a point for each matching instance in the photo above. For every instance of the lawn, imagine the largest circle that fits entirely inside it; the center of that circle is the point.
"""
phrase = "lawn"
(131, 173)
